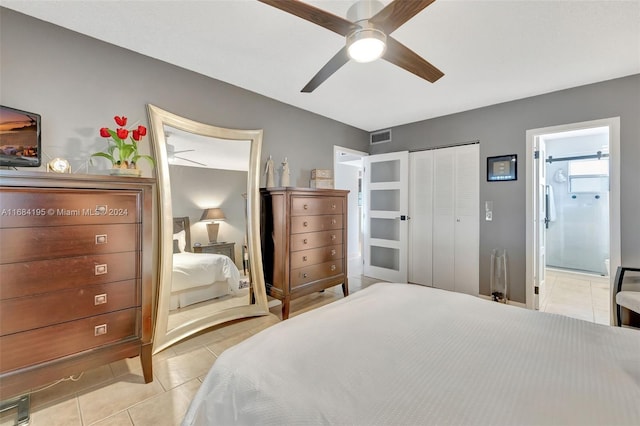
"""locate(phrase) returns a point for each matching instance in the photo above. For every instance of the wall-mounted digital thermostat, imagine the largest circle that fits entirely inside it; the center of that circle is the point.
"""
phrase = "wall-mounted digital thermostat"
(502, 168)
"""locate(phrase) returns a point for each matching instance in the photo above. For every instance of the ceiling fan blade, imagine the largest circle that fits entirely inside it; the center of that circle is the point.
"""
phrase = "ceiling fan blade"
(311, 13)
(400, 55)
(191, 161)
(397, 13)
(334, 64)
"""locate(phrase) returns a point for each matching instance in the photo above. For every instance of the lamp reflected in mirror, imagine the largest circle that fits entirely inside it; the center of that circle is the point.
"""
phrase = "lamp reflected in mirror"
(212, 215)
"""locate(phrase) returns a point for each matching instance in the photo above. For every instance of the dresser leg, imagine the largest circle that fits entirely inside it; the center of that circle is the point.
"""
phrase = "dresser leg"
(285, 308)
(147, 362)
(345, 287)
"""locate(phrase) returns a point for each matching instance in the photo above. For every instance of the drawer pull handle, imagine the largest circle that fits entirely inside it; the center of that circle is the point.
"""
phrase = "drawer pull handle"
(305, 223)
(304, 241)
(333, 267)
(305, 275)
(333, 221)
(101, 269)
(101, 239)
(100, 299)
(333, 236)
(99, 330)
(306, 207)
(333, 206)
(304, 258)
(333, 252)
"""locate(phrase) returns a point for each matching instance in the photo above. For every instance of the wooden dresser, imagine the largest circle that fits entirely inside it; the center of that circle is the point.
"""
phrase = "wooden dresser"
(304, 241)
(76, 275)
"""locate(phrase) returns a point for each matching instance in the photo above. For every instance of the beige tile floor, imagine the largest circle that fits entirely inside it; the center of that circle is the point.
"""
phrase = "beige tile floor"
(576, 295)
(116, 394)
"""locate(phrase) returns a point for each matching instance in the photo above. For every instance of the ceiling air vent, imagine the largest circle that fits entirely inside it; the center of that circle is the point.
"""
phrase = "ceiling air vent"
(381, 136)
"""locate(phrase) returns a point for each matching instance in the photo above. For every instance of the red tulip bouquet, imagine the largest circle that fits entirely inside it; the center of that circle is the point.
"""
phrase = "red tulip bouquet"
(120, 152)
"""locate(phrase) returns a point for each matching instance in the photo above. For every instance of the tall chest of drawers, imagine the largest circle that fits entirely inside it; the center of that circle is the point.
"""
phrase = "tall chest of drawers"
(76, 275)
(304, 240)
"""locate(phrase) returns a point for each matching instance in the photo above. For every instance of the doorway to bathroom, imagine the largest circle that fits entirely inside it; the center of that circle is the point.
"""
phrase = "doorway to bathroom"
(577, 201)
(573, 197)
(577, 224)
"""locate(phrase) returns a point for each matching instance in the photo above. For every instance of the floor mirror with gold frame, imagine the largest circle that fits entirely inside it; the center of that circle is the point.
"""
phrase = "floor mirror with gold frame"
(204, 283)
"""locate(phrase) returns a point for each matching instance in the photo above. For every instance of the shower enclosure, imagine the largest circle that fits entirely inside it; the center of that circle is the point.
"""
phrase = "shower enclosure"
(577, 234)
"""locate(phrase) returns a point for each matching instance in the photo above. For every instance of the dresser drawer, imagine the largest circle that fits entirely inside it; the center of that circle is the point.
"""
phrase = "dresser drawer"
(43, 276)
(304, 258)
(45, 344)
(25, 244)
(315, 223)
(315, 239)
(315, 272)
(316, 205)
(53, 308)
(27, 207)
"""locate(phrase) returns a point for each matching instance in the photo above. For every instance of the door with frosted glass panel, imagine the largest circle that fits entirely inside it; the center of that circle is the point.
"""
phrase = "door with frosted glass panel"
(386, 188)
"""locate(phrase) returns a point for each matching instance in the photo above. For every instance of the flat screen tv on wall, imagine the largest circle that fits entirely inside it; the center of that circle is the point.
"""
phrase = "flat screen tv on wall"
(19, 138)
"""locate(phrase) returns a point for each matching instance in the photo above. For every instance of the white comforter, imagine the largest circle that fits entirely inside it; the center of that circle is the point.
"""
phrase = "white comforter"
(199, 269)
(412, 355)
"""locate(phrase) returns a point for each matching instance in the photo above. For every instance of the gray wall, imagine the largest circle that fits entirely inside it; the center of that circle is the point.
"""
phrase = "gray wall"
(501, 130)
(78, 84)
(194, 189)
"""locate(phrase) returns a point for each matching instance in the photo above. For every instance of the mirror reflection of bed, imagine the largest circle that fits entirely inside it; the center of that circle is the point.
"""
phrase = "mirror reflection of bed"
(206, 173)
(202, 283)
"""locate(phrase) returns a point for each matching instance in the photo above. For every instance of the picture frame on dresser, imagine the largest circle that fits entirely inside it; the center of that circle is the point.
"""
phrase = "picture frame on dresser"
(95, 252)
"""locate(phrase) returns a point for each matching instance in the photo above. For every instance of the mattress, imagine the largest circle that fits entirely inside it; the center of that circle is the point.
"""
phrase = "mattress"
(181, 299)
(191, 270)
(406, 354)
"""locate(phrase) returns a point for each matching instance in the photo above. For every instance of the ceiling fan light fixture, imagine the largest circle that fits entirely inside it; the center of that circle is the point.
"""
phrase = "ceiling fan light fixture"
(366, 44)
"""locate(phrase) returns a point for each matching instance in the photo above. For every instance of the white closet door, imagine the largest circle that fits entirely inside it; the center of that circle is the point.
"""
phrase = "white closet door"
(421, 217)
(386, 201)
(467, 240)
(443, 218)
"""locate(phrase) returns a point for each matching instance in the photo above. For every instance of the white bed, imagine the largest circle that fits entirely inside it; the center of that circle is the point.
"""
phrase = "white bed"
(197, 277)
(203, 276)
(407, 354)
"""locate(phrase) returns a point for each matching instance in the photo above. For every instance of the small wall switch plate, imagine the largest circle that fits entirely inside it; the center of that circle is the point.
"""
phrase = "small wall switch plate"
(488, 208)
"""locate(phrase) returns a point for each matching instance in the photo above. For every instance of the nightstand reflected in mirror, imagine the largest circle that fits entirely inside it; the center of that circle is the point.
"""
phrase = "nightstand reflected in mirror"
(227, 249)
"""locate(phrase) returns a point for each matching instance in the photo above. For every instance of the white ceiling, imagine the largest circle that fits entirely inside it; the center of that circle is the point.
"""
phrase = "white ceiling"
(490, 51)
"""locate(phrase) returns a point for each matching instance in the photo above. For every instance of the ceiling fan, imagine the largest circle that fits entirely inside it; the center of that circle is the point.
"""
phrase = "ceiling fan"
(171, 152)
(367, 35)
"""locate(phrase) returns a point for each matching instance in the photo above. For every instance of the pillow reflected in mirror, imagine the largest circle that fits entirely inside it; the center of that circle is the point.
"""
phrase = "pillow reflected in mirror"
(181, 238)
